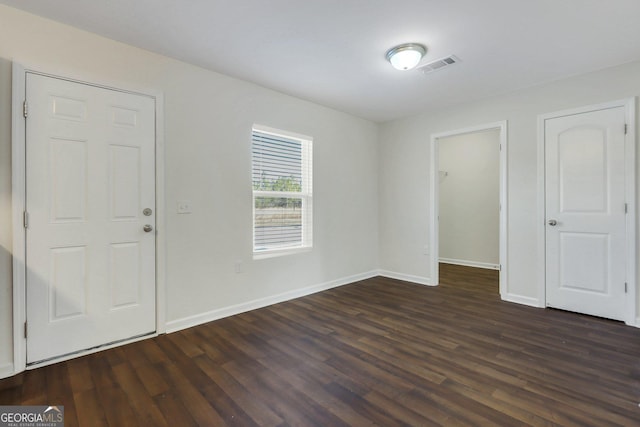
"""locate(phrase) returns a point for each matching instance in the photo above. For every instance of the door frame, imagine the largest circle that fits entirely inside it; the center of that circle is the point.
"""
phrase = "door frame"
(435, 200)
(18, 175)
(629, 106)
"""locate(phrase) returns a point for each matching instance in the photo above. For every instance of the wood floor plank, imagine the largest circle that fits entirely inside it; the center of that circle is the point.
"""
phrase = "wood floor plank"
(117, 408)
(59, 392)
(80, 375)
(135, 355)
(275, 393)
(11, 396)
(33, 391)
(257, 410)
(437, 414)
(376, 352)
(231, 413)
(153, 383)
(191, 397)
(308, 380)
(399, 411)
(173, 410)
(142, 403)
(89, 407)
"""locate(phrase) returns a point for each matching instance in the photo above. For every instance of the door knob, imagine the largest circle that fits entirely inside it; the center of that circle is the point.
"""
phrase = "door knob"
(147, 228)
(552, 222)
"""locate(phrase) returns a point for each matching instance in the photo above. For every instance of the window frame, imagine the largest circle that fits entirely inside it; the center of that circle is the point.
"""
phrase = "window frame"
(305, 194)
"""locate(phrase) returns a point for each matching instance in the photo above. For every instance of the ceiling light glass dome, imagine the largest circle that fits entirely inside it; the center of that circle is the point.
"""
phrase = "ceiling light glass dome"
(406, 56)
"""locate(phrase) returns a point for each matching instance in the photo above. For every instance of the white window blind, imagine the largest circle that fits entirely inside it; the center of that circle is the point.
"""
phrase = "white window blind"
(282, 190)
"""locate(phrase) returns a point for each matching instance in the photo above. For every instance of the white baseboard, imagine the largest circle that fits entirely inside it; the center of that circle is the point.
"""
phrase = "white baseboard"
(406, 277)
(6, 370)
(467, 263)
(519, 299)
(199, 319)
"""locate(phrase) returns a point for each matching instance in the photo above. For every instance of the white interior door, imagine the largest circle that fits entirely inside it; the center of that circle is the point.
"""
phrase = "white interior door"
(90, 174)
(585, 212)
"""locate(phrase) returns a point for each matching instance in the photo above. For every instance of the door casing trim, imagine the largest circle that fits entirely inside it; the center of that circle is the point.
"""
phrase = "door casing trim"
(629, 106)
(18, 175)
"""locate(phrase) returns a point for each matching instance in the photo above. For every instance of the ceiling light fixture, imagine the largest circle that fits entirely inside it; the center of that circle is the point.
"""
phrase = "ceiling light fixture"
(406, 56)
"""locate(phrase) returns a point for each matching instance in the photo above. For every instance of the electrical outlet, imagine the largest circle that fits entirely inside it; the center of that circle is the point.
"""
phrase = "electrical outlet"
(184, 207)
(425, 250)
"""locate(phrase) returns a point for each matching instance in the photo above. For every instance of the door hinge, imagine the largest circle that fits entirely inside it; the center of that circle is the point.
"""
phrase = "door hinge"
(25, 329)
(25, 219)
(626, 128)
(25, 109)
(625, 287)
(626, 208)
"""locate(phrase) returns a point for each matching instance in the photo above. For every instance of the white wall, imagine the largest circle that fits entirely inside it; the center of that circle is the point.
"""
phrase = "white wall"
(208, 119)
(404, 170)
(470, 198)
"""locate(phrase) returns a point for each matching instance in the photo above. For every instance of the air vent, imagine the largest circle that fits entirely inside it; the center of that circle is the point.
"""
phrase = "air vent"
(438, 64)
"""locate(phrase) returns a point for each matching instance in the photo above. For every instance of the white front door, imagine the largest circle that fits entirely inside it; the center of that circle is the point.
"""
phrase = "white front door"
(585, 212)
(90, 175)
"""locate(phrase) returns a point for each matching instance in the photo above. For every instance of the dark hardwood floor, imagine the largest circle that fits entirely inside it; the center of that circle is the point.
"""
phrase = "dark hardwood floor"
(377, 352)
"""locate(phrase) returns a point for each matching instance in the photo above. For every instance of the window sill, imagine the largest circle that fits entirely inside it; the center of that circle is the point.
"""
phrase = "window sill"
(280, 252)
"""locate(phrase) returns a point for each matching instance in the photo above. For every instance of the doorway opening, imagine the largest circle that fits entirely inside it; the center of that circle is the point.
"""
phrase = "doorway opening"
(469, 200)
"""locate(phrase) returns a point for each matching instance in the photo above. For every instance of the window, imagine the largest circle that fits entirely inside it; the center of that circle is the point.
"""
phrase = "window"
(282, 191)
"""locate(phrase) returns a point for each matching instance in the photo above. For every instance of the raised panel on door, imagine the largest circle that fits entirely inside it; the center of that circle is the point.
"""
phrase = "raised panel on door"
(68, 283)
(124, 176)
(68, 180)
(575, 274)
(585, 210)
(90, 173)
(582, 167)
(125, 275)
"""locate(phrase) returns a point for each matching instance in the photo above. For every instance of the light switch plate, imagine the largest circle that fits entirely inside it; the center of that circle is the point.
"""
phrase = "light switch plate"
(184, 207)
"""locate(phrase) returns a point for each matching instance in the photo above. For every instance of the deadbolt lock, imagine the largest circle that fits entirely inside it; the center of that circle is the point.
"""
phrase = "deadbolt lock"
(147, 212)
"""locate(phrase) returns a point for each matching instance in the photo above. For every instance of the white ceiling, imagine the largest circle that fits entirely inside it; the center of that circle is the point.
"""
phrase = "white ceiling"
(333, 51)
